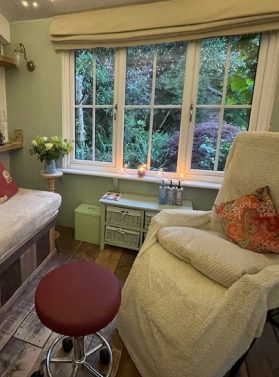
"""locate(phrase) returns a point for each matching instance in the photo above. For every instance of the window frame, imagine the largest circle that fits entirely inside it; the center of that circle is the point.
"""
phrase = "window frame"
(260, 117)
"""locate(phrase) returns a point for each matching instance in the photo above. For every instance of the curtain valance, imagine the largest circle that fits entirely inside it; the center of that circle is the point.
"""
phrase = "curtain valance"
(163, 21)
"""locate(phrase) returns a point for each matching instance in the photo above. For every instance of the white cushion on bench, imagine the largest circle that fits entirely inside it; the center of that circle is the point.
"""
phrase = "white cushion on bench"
(23, 215)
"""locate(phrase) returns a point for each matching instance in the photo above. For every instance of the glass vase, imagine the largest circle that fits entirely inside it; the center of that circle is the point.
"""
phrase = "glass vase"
(49, 167)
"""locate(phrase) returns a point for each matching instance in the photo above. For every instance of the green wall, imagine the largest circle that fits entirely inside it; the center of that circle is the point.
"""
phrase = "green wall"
(275, 113)
(34, 104)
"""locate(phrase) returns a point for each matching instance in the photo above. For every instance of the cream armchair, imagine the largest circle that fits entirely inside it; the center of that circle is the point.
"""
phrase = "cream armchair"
(194, 301)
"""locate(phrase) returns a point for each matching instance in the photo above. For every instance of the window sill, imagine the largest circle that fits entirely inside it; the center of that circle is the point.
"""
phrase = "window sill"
(146, 178)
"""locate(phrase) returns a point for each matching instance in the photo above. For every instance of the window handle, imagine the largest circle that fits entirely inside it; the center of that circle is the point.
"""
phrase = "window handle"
(191, 111)
(115, 111)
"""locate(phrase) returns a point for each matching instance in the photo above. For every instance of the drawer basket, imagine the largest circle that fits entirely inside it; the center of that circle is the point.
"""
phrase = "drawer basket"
(148, 217)
(123, 237)
(123, 217)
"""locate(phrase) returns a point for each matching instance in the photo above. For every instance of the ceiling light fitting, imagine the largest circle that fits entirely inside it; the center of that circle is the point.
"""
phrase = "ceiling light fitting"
(26, 4)
(30, 65)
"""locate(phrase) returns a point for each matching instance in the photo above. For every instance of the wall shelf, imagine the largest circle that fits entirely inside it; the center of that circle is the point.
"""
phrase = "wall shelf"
(10, 146)
(7, 61)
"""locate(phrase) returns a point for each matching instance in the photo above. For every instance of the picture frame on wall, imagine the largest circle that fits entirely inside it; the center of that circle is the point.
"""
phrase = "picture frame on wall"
(18, 135)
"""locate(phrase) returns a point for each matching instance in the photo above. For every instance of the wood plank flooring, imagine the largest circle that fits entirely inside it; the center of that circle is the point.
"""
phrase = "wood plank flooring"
(24, 340)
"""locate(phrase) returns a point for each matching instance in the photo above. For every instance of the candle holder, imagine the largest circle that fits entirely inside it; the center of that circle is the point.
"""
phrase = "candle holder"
(160, 172)
(141, 170)
(123, 171)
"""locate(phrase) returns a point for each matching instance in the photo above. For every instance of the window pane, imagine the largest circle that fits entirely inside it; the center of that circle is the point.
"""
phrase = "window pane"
(235, 121)
(226, 63)
(205, 139)
(139, 68)
(154, 77)
(104, 76)
(94, 74)
(83, 134)
(103, 137)
(84, 77)
(136, 137)
(212, 69)
(165, 138)
(170, 68)
(243, 67)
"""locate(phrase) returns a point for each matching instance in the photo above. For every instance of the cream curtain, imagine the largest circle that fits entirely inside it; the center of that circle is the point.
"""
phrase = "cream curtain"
(163, 21)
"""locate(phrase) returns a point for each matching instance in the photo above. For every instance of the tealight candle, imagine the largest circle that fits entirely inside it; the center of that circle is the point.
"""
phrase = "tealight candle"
(160, 172)
(141, 170)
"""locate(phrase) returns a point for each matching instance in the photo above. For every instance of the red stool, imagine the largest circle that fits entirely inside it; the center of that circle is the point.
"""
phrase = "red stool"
(76, 300)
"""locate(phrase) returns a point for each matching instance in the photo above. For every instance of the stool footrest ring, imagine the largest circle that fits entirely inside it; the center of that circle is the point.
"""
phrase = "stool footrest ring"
(80, 356)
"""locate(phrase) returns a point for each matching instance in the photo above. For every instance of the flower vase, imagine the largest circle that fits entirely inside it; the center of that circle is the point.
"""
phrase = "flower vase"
(49, 167)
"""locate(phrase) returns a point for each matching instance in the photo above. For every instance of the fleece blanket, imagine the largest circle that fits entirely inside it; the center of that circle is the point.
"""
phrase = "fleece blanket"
(177, 321)
(213, 255)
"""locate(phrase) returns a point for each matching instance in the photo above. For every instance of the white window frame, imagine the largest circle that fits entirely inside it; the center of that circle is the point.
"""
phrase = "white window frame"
(263, 99)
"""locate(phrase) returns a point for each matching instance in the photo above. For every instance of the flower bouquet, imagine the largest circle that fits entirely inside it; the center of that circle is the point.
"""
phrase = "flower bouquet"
(50, 149)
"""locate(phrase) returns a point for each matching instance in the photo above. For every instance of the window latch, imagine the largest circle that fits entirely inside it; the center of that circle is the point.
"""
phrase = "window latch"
(115, 111)
(191, 111)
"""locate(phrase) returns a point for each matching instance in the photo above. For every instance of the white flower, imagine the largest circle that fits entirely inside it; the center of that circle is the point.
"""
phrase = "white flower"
(44, 138)
(34, 143)
(48, 146)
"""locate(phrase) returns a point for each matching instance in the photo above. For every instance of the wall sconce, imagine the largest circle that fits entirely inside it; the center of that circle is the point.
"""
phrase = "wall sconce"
(30, 65)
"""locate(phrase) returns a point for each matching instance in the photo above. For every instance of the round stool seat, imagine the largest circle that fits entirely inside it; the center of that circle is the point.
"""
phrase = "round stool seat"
(78, 299)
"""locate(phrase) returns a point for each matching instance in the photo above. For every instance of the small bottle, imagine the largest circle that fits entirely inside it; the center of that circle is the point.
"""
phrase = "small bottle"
(162, 193)
(171, 194)
(179, 193)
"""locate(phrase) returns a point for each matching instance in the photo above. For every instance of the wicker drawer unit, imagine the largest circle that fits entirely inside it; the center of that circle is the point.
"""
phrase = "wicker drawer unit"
(125, 222)
(123, 217)
(148, 217)
(122, 237)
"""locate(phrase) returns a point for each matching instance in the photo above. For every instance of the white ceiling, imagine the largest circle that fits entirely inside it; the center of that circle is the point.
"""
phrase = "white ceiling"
(13, 10)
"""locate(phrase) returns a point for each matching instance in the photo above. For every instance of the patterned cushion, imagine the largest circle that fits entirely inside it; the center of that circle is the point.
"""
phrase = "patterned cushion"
(251, 221)
(8, 186)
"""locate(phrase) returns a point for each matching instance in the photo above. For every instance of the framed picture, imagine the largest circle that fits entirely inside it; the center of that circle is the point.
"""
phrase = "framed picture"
(18, 135)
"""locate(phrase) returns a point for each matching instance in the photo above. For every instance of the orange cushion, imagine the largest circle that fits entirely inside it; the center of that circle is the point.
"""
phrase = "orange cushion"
(8, 186)
(251, 221)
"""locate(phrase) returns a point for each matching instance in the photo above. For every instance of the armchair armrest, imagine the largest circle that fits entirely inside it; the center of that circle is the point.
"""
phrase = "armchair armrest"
(175, 218)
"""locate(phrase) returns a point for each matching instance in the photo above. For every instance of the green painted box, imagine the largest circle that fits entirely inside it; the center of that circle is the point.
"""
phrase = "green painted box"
(87, 223)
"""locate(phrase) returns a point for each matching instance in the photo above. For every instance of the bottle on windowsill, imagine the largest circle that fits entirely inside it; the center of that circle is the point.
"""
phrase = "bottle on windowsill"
(171, 194)
(162, 193)
(179, 193)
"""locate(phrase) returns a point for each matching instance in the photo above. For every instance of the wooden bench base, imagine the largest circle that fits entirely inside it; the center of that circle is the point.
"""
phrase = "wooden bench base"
(20, 265)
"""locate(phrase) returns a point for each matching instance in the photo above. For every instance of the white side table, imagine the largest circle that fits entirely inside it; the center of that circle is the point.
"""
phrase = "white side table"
(51, 187)
(51, 179)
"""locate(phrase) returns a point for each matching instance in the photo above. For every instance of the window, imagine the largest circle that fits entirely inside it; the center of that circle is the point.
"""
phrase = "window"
(94, 88)
(224, 98)
(153, 105)
(176, 107)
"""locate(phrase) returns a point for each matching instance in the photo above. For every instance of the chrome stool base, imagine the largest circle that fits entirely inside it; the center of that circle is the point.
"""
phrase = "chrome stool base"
(78, 359)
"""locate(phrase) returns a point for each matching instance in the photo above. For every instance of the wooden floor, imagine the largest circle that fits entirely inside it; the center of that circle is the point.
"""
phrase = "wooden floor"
(24, 340)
